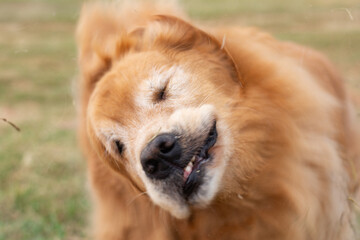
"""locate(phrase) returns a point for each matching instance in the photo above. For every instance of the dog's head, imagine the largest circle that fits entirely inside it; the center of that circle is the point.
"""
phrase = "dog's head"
(158, 112)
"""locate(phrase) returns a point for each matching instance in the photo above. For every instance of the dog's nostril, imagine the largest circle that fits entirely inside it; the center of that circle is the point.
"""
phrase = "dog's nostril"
(160, 156)
(166, 146)
(150, 166)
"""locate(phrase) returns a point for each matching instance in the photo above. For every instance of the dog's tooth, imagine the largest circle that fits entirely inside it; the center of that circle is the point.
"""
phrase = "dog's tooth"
(193, 159)
(189, 167)
(187, 170)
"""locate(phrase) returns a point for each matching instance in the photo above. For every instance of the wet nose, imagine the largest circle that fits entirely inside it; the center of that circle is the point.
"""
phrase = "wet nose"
(160, 155)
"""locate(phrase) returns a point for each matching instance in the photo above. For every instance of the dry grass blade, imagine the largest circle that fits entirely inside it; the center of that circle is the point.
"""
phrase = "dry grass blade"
(12, 124)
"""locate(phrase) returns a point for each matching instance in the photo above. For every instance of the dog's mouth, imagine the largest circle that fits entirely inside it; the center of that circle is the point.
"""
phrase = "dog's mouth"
(193, 172)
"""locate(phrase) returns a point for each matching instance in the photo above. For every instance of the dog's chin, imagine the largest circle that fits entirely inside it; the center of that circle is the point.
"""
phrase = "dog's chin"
(208, 189)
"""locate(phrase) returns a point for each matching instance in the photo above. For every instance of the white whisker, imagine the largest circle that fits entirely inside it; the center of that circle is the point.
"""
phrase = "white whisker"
(136, 197)
(223, 42)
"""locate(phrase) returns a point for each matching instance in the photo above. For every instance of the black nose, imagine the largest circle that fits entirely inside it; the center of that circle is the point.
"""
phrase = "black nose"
(160, 155)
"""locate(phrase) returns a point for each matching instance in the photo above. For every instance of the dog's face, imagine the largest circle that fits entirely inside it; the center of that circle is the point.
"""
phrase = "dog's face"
(161, 118)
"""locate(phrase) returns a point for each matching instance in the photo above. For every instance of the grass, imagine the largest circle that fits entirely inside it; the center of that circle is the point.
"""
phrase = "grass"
(42, 173)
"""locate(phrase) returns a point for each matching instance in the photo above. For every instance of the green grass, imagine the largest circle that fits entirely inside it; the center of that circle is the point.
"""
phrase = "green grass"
(42, 173)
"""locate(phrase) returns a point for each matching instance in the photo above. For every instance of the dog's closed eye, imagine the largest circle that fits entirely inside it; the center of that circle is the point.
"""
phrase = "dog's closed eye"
(161, 94)
(120, 146)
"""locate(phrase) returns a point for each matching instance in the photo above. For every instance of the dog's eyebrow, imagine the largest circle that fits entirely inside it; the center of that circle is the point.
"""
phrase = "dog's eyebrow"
(160, 77)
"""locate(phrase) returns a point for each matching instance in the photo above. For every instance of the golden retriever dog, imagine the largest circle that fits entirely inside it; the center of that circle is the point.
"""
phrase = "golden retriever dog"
(211, 132)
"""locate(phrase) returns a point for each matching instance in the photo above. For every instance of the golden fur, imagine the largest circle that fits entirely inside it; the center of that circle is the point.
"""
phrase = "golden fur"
(286, 161)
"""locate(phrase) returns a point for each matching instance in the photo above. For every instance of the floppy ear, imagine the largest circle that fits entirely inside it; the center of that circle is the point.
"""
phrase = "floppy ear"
(173, 34)
(101, 40)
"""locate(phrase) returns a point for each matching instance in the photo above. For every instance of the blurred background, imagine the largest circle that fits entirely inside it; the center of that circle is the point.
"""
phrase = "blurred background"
(43, 189)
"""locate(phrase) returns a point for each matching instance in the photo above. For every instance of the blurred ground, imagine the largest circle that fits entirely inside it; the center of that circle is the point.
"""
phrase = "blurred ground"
(42, 173)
